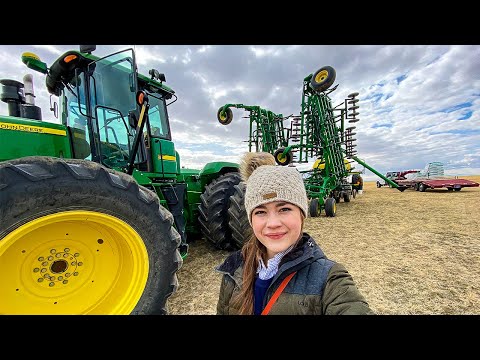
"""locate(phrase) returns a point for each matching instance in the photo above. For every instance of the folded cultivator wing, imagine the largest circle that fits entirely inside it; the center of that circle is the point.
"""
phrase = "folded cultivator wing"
(318, 132)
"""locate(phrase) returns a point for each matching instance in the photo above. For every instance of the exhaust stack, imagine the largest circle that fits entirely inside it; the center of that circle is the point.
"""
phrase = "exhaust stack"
(20, 98)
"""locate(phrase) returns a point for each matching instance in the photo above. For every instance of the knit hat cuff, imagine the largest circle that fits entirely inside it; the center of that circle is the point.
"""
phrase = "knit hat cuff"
(285, 194)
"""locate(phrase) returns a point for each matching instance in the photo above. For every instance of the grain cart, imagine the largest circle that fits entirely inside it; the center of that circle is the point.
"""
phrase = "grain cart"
(95, 210)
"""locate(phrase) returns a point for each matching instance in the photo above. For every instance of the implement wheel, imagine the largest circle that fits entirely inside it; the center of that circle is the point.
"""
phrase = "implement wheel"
(314, 208)
(323, 78)
(330, 207)
(78, 238)
(226, 117)
(281, 159)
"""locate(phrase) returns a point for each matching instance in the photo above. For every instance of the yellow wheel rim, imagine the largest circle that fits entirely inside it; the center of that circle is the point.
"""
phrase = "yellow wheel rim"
(73, 262)
(321, 76)
(222, 117)
(281, 158)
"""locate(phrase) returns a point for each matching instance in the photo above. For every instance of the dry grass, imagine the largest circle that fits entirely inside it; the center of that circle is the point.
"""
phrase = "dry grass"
(409, 253)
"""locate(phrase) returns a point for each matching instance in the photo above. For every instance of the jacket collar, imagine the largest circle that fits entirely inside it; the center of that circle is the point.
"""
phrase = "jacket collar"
(305, 252)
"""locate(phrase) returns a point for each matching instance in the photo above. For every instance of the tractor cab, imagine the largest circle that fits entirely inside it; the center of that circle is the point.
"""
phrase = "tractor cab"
(98, 105)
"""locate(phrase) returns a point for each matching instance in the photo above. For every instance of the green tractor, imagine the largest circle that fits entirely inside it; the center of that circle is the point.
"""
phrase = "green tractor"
(96, 211)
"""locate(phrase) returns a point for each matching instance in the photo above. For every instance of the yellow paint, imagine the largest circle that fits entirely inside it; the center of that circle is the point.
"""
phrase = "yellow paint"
(30, 128)
(30, 55)
(72, 262)
(167, 157)
(322, 75)
(320, 165)
(142, 113)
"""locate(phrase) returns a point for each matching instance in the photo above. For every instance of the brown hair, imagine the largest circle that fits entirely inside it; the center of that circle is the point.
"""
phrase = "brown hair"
(252, 251)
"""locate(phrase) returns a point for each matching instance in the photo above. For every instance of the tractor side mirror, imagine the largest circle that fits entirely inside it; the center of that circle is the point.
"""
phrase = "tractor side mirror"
(132, 119)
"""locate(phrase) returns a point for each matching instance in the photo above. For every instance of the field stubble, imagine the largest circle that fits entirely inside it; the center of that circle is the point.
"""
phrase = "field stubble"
(409, 253)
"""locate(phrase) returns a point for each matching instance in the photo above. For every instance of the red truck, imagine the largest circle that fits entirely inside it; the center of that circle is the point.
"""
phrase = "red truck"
(432, 178)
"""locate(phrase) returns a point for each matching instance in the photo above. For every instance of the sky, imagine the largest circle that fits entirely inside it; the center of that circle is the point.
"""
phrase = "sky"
(417, 103)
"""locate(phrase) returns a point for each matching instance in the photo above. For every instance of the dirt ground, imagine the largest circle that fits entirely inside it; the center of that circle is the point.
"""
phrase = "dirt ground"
(409, 253)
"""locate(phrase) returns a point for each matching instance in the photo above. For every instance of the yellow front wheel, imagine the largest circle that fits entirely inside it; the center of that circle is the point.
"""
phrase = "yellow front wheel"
(73, 262)
(81, 239)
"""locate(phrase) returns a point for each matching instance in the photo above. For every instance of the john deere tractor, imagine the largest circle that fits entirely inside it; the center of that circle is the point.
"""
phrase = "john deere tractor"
(96, 211)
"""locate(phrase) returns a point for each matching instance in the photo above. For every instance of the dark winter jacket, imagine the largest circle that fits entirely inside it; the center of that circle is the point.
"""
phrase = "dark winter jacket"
(319, 287)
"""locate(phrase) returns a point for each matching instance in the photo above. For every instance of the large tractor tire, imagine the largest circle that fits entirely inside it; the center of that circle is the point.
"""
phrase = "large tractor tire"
(238, 223)
(78, 238)
(213, 210)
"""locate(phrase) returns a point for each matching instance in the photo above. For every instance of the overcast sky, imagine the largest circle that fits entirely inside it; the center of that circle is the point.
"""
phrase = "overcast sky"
(418, 104)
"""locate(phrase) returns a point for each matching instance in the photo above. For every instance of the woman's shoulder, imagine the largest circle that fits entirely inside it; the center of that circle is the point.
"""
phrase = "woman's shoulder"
(231, 263)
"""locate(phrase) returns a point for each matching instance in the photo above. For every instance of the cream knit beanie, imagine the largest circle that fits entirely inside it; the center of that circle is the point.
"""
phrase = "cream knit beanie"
(267, 182)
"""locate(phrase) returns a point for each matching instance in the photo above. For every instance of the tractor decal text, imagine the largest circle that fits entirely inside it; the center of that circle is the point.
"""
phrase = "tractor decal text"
(29, 128)
(167, 157)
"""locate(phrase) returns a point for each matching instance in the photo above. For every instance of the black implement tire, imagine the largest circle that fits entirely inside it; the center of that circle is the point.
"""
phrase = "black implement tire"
(101, 243)
(346, 196)
(238, 218)
(314, 209)
(330, 207)
(280, 159)
(227, 116)
(323, 78)
(213, 210)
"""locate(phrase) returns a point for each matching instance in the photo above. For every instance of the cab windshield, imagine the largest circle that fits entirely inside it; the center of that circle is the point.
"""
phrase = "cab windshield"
(158, 118)
(105, 92)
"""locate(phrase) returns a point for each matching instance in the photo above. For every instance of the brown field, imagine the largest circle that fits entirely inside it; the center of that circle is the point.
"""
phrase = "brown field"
(409, 253)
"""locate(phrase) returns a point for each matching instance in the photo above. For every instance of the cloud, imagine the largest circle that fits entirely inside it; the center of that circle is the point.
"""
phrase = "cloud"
(417, 103)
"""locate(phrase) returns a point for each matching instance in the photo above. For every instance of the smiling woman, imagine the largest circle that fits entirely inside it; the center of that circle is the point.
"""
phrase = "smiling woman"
(281, 270)
(277, 225)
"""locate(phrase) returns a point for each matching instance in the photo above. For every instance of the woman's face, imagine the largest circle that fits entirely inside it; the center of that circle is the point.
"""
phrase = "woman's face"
(277, 225)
